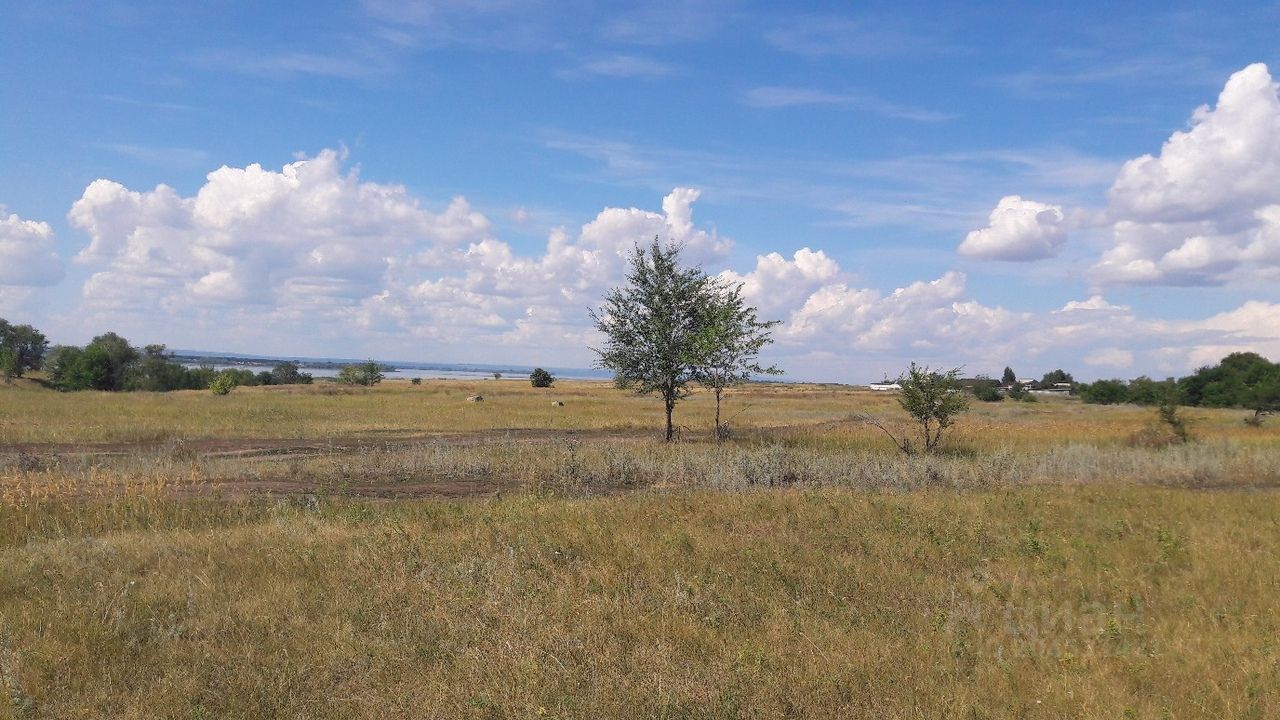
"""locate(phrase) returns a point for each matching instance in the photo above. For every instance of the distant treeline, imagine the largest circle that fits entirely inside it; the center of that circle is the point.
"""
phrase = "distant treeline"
(1241, 380)
(109, 362)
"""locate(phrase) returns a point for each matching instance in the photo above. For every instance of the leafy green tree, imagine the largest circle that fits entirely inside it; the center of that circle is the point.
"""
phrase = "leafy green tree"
(366, 373)
(90, 369)
(1230, 383)
(242, 377)
(26, 345)
(1054, 377)
(59, 361)
(155, 370)
(1104, 392)
(1143, 390)
(986, 389)
(652, 326)
(540, 378)
(1264, 397)
(285, 373)
(10, 368)
(1009, 377)
(116, 355)
(728, 344)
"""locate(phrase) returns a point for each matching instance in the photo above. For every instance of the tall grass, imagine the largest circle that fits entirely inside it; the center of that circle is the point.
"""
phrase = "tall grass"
(1044, 566)
(30, 414)
(1038, 602)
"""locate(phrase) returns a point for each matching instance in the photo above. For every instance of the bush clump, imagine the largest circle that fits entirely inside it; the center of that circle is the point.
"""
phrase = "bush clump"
(365, 373)
(223, 383)
(540, 378)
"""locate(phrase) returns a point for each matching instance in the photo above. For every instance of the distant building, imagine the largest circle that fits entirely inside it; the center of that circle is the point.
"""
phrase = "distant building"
(884, 386)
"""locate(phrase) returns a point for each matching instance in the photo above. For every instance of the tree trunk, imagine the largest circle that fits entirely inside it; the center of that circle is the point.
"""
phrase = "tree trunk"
(719, 390)
(671, 405)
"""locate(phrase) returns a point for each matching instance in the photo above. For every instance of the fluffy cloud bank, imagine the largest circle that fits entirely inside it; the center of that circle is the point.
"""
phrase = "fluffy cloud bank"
(1019, 230)
(834, 328)
(27, 257)
(313, 259)
(1206, 209)
(313, 243)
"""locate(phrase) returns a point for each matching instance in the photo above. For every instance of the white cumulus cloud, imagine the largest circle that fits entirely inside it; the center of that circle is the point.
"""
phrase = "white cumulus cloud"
(1206, 210)
(1109, 357)
(267, 250)
(1018, 230)
(27, 255)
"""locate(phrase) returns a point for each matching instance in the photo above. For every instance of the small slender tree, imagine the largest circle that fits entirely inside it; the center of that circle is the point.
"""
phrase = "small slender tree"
(652, 325)
(729, 345)
(933, 400)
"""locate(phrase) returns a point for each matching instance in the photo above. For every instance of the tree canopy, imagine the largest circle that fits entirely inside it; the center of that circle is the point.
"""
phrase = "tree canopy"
(729, 344)
(22, 348)
(654, 326)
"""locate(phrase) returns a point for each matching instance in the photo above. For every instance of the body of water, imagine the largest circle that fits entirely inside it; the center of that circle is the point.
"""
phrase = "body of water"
(330, 367)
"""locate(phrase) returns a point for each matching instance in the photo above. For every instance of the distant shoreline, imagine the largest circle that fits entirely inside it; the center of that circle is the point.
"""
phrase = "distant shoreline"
(328, 367)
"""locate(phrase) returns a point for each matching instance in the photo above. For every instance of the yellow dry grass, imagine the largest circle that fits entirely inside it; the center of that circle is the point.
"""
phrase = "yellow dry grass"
(1045, 567)
(1042, 602)
(31, 414)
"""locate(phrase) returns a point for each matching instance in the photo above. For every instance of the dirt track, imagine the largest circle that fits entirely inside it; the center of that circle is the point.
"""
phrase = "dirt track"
(251, 447)
(254, 450)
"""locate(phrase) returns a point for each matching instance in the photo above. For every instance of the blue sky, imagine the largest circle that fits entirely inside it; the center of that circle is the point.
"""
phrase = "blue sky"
(466, 176)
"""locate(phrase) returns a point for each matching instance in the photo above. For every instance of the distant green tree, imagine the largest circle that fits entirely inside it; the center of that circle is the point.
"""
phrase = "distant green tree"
(1054, 377)
(1145, 391)
(986, 389)
(1230, 383)
(1104, 392)
(10, 368)
(540, 378)
(89, 369)
(1009, 377)
(1264, 397)
(242, 377)
(26, 345)
(366, 373)
(288, 373)
(155, 370)
(117, 355)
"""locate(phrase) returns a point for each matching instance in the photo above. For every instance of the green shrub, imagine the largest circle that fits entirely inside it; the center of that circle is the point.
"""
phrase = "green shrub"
(366, 373)
(222, 384)
(540, 378)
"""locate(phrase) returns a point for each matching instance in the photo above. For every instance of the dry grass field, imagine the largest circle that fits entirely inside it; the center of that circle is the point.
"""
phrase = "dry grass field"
(399, 552)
